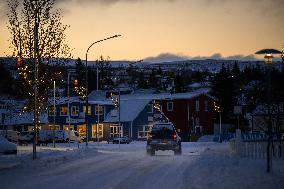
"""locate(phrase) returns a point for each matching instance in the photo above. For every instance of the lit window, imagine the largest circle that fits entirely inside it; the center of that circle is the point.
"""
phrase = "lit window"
(89, 110)
(99, 110)
(74, 110)
(100, 133)
(197, 105)
(63, 110)
(170, 106)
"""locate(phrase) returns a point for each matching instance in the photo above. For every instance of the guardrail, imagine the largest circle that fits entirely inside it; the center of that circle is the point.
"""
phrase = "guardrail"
(257, 148)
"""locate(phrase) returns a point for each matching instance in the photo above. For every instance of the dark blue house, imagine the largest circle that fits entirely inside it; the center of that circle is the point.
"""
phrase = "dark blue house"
(134, 118)
(74, 117)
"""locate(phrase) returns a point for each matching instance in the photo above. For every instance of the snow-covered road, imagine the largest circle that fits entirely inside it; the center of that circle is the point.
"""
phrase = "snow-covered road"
(202, 165)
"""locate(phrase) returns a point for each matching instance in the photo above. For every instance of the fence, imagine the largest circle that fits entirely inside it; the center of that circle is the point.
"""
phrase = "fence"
(257, 148)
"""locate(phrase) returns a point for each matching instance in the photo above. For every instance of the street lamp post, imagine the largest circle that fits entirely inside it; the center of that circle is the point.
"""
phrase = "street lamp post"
(218, 109)
(86, 114)
(36, 26)
(54, 114)
(268, 60)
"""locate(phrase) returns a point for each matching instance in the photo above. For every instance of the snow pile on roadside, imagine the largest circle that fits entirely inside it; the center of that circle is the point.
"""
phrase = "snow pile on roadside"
(46, 155)
(206, 138)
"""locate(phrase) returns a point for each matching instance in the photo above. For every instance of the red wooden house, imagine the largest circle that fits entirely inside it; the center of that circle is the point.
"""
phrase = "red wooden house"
(191, 113)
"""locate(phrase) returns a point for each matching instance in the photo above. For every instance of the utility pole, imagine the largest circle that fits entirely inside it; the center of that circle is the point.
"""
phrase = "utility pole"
(268, 60)
(119, 127)
(36, 26)
(98, 124)
(54, 114)
(68, 87)
(87, 102)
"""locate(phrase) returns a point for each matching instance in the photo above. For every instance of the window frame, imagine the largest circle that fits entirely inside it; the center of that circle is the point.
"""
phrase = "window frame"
(65, 107)
(206, 105)
(172, 106)
(144, 133)
(100, 112)
(89, 109)
(77, 110)
(197, 105)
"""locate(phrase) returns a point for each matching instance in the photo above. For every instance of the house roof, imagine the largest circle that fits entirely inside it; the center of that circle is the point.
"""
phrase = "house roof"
(24, 118)
(263, 109)
(166, 96)
(133, 104)
(97, 95)
(129, 110)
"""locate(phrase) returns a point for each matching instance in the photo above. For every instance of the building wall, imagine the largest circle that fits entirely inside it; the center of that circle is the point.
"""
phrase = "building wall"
(184, 115)
(79, 120)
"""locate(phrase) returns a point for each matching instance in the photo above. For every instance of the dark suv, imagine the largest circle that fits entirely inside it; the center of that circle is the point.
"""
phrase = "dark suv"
(163, 136)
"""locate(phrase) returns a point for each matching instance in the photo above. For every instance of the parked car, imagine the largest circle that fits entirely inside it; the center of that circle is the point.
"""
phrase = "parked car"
(12, 136)
(26, 137)
(64, 136)
(163, 136)
(45, 136)
(7, 147)
(122, 140)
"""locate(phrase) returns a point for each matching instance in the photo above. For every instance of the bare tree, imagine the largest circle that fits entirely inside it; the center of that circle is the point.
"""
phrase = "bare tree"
(52, 50)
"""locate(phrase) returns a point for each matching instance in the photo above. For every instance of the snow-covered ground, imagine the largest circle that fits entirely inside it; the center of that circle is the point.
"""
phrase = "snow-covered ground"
(201, 165)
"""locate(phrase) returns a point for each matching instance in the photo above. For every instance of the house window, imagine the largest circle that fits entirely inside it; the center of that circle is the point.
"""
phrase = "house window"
(205, 105)
(144, 131)
(197, 121)
(150, 108)
(99, 110)
(197, 105)
(115, 131)
(89, 110)
(74, 110)
(81, 130)
(170, 106)
(63, 110)
(51, 111)
(100, 131)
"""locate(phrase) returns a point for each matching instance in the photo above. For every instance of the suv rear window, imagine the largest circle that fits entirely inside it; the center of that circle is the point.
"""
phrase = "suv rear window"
(162, 131)
(162, 126)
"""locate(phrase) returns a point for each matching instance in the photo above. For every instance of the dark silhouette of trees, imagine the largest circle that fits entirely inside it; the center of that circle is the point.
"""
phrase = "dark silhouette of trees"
(223, 89)
(7, 83)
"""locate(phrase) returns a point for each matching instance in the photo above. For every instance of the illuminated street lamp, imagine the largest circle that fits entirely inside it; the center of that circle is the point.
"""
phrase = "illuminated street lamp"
(86, 120)
(218, 109)
(268, 56)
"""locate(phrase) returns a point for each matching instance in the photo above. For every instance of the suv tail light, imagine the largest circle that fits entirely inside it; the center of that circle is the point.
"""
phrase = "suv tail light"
(174, 136)
(151, 136)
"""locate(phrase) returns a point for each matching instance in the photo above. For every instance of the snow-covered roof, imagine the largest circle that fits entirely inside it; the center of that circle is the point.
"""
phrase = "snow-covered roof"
(165, 96)
(263, 109)
(129, 110)
(24, 118)
(64, 100)
(97, 95)
(101, 102)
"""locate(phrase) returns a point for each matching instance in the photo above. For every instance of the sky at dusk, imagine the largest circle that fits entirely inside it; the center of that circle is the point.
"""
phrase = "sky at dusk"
(168, 29)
